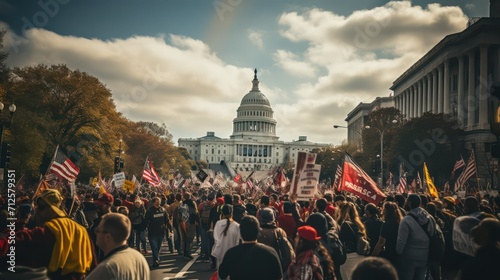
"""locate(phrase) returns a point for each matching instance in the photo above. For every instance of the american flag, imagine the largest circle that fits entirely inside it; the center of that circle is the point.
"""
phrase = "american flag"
(402, 185)
(459, 164)
(150, 174)
(470, 170)
(338, 175)
(63, 167)
(249, 183)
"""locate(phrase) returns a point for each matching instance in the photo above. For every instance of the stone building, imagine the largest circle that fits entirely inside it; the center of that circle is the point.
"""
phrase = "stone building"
(253, 143)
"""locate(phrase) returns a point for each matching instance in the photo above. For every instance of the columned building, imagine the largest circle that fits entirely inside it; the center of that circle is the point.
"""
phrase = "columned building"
(357, 118)
(454, 78)
(254, 143)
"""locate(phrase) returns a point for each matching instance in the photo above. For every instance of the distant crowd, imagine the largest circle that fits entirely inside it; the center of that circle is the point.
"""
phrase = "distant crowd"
(334, 236)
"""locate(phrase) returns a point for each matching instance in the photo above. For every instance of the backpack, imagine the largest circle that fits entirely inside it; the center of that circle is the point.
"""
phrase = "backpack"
(335, 247)
(205, 214)
(183, 212)
(285, 250)
(436, 241)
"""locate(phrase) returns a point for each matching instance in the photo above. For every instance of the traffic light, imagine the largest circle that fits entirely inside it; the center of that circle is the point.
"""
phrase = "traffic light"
(117, 164)
(495, 116)
(121, 164)
(5, 155)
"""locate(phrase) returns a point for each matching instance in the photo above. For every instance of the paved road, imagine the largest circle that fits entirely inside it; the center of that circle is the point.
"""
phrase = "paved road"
(173, 266)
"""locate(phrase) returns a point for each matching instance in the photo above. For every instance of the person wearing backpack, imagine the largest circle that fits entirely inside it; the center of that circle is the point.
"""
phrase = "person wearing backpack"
(205, 209)
(413, 240)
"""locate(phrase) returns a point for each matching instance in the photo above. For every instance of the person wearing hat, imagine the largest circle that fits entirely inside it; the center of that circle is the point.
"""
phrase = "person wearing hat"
(250, 260)
(104, 204)
(270, 233)
(307, 264)
(226, 233)
(61, 244)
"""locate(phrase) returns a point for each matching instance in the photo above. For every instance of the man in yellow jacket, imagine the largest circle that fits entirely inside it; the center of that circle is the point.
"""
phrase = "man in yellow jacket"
(61, 244)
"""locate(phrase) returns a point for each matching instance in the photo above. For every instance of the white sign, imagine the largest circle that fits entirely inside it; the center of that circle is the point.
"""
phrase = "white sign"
(308, 182)
(462, 236)
(119, 179)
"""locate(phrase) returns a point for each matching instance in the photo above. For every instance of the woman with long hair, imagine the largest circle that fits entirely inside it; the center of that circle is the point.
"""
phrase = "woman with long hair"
(391, 215)
(351, 228)
(310, 253)
(226, 233)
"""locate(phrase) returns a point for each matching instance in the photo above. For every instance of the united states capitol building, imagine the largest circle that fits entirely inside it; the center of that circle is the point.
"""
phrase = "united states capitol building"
(253, 143)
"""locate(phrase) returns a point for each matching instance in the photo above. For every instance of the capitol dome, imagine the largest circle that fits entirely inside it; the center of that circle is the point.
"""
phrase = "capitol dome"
(254, 115)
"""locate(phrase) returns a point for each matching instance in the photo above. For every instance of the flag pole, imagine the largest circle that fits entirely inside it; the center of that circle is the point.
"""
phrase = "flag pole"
(46, 172)
(140, 182)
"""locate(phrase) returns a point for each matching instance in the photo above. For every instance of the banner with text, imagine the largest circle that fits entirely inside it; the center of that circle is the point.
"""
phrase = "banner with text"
(304, 161)
(308, 183)
(356, 181)
(119, 179)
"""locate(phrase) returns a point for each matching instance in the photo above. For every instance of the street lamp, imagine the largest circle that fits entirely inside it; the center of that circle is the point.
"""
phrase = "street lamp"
(5, 147)
(360, 143)
(381, 133)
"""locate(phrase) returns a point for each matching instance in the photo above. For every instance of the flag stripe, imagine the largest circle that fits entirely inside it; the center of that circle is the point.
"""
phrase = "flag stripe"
(150, 174)
(469, 171)
(64, 167)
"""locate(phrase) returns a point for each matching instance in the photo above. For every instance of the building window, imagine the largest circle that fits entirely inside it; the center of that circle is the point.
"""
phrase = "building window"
(276, 160)
(195, 152)
(213, 151)
(224, 151)
(218, 152)
(206, 151)
(277, 153)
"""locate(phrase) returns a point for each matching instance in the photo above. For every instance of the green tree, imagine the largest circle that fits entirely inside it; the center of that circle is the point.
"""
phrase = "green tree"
(431, 138)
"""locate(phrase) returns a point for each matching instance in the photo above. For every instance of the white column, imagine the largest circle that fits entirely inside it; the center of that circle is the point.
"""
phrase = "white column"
(446, 87)
(471, 94)
(429, 92)
(440, 90)
(460, 97)
(424, 94)
(435, 92)
(420, 95)
(483, 87)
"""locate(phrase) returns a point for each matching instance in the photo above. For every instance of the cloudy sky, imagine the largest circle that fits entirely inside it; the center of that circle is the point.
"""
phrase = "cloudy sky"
(188, 63)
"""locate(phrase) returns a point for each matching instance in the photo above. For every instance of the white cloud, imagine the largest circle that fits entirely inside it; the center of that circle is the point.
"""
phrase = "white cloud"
(180, 81)
(255, 38)
(289, 62)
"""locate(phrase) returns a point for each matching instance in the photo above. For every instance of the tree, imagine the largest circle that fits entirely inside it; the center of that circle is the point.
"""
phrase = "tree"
(4, 70)
(431, 138)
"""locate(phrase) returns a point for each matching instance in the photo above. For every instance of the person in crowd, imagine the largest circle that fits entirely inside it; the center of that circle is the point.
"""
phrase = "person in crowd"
(484, 265)
(205, 208)
(250, 260)
(226, 233)
(173, 214)
(321, 205)
(319, 222)
(330, 208)
(215, 216)
(75, 212)
(413, 242)
(156, 220)
(189, 219)
(286, 220)
(61, 244)
(372, 224)
(270, 233)
(104, 205)
(307, 265)
(374, 268)
(120, 261)
(351, 228)
(89, 210)
(238, 208)
(122, 210)
(386, 245)
(400, 201)
(138, 234)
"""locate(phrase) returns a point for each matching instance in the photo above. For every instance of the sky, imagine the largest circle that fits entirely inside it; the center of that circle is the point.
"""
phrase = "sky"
(188, 63)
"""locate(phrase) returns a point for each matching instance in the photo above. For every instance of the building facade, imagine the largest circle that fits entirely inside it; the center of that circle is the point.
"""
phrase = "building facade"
(454, 77)
(357, 119)
(253, 143)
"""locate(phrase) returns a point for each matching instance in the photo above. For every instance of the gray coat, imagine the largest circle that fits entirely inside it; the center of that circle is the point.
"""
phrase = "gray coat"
(413, 243)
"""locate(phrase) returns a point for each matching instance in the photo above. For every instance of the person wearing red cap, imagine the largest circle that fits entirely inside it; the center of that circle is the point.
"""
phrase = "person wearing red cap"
(309, 251)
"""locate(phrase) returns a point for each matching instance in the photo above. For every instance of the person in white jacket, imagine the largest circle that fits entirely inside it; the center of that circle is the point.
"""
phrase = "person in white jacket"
(226, 234)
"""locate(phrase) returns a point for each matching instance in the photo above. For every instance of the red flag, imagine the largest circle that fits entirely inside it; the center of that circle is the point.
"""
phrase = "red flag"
(150, 174)
(279, 177)
(63, 167)
(237, 178)
(356, 181)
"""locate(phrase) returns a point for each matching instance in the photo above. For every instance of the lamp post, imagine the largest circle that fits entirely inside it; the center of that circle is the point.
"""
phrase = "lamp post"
(5, 147)
(348, 129)
(381, 133)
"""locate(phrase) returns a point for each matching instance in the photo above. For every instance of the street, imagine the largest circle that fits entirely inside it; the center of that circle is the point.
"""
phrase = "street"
(173, 266)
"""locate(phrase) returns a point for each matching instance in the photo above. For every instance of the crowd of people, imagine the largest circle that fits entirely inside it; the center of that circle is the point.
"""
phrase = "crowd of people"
(333, 236)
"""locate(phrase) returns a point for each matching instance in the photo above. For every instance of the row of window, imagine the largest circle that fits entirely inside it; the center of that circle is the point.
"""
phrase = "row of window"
(254, 113)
